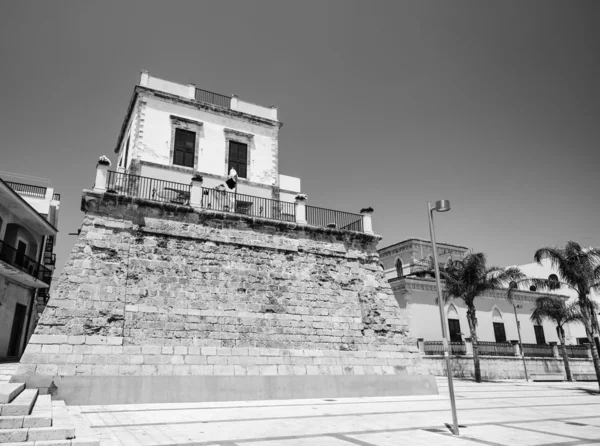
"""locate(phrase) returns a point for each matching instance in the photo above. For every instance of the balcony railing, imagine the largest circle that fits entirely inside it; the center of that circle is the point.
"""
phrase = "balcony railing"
(213, 98)
(538, 350)
(26, 264)
(248, 205)
(334, 219)
(437, 348)
(496, 348)
(56, 197)
(148, 188)
(226, 201)
(28, 189)
(577, 351)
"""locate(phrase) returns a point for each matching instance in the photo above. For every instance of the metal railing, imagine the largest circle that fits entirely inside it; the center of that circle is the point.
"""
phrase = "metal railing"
(577, 351)
(147, 188)
(10, 255)
(213, 98)
(56, 197)
(334, 219)
(222, 200)
(538, 350)
(496, 348)
(27, 189)
(437, 348)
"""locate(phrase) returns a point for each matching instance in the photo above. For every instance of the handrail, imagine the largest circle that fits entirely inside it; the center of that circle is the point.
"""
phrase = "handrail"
(56, 197)
(19, 260)
(222, 200)
(334, 219)
(147, 188)
(213, 98)
(27, 189)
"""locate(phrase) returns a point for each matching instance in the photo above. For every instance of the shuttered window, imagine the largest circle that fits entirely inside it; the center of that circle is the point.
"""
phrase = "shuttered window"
(455, 333)
(540, 339)
(185, 148)
(499, 332)
(238, 158)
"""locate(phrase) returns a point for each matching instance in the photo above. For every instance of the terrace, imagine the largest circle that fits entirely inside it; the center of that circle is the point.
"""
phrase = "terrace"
(195, 195)
(13, 263)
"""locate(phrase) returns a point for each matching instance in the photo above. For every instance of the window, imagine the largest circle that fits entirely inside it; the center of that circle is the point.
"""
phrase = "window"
(540, 339)
(499, 332)
(126, 152)
(238, 158)
(553, 280)
(184, 150)
(454, 328)
(399, 268)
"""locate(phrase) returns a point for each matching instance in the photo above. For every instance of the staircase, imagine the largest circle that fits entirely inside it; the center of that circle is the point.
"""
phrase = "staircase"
(26, 420)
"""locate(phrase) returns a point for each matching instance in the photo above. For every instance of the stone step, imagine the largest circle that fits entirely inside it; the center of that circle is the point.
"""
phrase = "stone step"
(41, 416)
(9, 391)
(38, 436)
(74, 442)
(21, 405)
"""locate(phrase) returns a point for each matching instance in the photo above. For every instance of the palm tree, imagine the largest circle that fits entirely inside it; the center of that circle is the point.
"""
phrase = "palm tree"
(556, 309)
(579, 270)
(468, 278)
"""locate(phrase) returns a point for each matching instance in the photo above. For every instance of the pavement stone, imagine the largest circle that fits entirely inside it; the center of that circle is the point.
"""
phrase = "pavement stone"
(492, 413)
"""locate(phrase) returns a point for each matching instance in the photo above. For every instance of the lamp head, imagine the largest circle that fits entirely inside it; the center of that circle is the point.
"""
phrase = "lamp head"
(442, 205)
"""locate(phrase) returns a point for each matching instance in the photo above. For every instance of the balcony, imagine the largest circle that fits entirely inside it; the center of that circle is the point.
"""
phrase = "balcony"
(28, 189)
(221, 200)
(23, 269)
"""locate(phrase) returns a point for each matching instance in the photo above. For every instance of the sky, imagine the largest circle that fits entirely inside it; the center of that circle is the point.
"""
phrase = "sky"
(494, 106)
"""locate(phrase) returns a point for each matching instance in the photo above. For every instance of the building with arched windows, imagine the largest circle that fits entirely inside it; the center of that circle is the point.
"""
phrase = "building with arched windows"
(496, 316)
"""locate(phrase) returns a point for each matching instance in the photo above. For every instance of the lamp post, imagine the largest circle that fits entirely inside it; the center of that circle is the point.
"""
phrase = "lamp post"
(520, 341)
(442, 206)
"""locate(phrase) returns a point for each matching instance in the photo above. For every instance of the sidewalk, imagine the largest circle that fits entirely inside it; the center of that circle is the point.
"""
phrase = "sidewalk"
(495, 413)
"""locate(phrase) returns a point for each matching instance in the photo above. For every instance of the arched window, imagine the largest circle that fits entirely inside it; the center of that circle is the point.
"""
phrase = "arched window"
(499, 332)
(553, 280)
(454, 324)
(399, 268)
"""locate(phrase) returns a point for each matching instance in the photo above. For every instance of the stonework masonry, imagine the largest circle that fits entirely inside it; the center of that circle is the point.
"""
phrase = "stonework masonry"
(161, 290)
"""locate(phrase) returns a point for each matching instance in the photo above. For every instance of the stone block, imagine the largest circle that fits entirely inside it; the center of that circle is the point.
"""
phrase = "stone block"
(50, 433)
(11, 422)
(48, 339)
(151, 349)
(13, 435)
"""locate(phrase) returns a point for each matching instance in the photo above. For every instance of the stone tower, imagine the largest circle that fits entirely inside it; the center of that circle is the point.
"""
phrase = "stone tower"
(179, 290)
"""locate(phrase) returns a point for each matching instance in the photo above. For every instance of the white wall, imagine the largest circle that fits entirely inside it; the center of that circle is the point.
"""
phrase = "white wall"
(425, 319)
(154, 143)
(573, 330)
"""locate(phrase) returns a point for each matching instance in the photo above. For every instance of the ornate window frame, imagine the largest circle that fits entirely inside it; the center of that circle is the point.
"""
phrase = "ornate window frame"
(241, 137)
(178, 122)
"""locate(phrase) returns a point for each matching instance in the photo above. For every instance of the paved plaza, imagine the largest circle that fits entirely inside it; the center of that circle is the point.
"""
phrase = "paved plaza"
(493, 413)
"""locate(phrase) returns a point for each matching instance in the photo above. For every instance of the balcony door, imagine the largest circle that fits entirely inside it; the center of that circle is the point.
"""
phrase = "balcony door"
(20, 255)
(16, 335)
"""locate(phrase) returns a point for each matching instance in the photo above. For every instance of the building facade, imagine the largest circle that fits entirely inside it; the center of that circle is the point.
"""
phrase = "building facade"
(497, 317)
(199, 292)
(28, 218)
(172, 131)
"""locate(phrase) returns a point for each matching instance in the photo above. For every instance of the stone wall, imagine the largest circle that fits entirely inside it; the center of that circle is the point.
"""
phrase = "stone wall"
(165, 290)
(504, 367)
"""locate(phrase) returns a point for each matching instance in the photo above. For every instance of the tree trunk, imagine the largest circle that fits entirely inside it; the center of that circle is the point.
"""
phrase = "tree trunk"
(589, 331)
(472, 319)
(561, 337)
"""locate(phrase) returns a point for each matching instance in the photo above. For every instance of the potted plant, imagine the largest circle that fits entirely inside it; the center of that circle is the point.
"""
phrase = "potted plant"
(368, 210)
(301, 197)
(104, 161)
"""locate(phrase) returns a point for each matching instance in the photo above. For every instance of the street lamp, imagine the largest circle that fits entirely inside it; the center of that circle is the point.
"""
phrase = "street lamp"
(442, 206)
(520, 341)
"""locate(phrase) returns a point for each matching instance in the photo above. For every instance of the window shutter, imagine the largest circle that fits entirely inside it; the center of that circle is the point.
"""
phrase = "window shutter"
(184, 148)
(238, 158)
